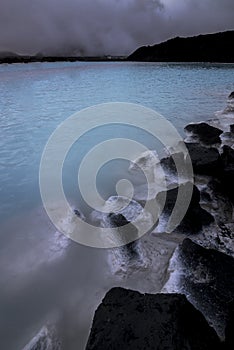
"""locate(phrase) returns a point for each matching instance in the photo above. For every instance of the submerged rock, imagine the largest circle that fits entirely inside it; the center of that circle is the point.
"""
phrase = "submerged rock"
(205, 276)
(204, 133)
(129, 320)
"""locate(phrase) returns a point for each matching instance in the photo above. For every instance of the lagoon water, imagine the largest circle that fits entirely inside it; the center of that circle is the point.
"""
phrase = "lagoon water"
(43, 275)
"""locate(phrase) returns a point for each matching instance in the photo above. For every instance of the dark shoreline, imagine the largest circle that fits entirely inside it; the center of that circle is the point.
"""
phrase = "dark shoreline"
(52, 59)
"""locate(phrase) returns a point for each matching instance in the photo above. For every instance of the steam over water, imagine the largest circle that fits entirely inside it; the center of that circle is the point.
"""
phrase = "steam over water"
(44, 276)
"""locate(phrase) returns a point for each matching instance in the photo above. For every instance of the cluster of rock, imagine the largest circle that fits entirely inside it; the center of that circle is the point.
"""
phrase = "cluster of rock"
(200, 312)
(195, 308)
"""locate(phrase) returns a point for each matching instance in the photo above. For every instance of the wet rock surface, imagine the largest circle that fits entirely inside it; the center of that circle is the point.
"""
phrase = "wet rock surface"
(201, 268)
(129, 320)
(207, 280)
(205, 160)
(205, 133)
(195, 216)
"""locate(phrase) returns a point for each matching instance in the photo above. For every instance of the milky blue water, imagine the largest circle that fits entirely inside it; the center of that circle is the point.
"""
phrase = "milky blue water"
(34, 100)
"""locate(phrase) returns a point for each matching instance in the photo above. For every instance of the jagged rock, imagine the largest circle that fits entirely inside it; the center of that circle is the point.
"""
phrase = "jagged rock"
(205, 160)
(129, 320)
(195, 216)
(46, 339)
(205, 133)
(231, 95)
(169, 163)
(119, 220)
(207, 280)
(232, 128)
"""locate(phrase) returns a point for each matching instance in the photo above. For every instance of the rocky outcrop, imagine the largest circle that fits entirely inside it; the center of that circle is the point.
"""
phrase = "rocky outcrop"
(203, 48)
(205, 276)
(205, 161)
(195, 216)
(204, 133)
(129, 320)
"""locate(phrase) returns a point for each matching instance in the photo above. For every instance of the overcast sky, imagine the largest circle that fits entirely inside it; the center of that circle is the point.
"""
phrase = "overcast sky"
(96, 27)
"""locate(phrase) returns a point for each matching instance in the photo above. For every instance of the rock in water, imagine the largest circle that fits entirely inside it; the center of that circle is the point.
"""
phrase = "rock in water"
(125, 232)
(206, 161)
(205, 133)
(46, 339)
(194, 218)
(129, 320)
(227, 174)
(231, 96)
(207, 280)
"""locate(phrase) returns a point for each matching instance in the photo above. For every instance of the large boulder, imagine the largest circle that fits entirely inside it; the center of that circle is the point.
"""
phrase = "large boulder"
(129, 320)
(229, 334)
(206, 277)
(203, 132)
(195, 217)
(206, 161)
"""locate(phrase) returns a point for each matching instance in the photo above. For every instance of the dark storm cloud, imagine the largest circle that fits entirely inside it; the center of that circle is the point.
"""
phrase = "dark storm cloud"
(94, 27)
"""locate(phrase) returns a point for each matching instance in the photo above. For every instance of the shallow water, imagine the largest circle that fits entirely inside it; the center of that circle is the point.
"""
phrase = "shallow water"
(44, 275)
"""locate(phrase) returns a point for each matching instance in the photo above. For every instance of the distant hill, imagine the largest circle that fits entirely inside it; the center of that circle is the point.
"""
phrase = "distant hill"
(218, 47)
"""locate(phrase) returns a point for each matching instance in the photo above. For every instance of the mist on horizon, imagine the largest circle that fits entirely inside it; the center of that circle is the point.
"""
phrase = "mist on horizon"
(105, 27)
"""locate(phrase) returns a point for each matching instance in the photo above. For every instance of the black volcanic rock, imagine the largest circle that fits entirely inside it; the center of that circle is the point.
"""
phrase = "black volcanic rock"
(208, 281)
(204, 132)
(231, 96)
(205, 160)
(203, 48)
(227, 175)
(126, 230)
(195, 216)
(229, 331)
(129, 320)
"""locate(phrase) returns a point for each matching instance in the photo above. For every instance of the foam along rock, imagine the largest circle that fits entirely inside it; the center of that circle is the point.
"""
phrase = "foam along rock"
(194, 218)
(130, 209)
(205, 276)
(46, 339)
(205, 161)
(129, 320)
(149, 163)
(204, 133)
(125, 230)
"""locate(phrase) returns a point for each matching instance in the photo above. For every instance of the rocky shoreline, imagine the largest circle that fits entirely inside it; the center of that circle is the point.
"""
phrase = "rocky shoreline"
(193, 305)
(199, 313)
